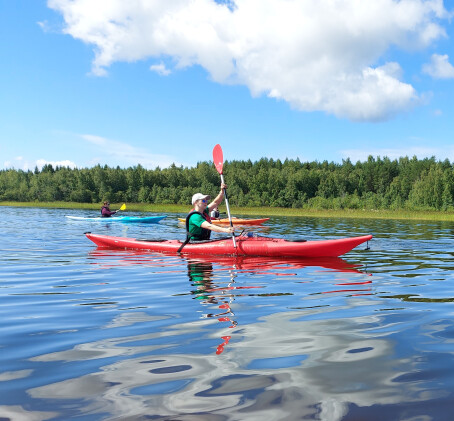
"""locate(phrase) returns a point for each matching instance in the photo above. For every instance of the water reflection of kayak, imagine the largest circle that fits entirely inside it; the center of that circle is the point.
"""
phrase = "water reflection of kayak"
(241, 263)
(264, 264)
(246, 246)
(235, 221)
(124, 219)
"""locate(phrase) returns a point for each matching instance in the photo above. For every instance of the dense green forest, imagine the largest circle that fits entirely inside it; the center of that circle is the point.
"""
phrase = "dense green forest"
(378, 183)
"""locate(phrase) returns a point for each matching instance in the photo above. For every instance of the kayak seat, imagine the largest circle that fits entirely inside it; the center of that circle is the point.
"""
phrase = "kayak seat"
(209, 241)
(297, 241)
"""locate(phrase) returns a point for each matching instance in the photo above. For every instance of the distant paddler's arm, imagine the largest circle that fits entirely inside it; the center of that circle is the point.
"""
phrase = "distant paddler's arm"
(217, 228)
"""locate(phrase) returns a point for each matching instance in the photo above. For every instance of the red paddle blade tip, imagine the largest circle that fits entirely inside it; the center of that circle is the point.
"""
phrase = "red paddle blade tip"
(218, 158)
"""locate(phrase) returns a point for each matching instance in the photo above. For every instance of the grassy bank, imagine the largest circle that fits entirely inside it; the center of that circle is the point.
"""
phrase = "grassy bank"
(133, 207)
(262, 212)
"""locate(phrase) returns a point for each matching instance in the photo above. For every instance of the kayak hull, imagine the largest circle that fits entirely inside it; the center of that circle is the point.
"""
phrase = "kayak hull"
(123, 219)
(255, 246)
(235, 221)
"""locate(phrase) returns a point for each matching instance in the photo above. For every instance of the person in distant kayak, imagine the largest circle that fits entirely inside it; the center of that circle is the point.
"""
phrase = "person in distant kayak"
(105, 210)
(198, 221)
(215, 213)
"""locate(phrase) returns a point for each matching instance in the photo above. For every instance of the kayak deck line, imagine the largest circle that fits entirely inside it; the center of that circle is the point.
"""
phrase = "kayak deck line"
(246, 246)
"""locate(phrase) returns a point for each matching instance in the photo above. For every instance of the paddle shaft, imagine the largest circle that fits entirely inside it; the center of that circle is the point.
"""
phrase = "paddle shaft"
(228, 209)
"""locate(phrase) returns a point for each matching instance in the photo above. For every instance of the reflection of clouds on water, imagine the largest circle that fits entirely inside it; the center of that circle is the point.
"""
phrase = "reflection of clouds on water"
(13, 375)
(128, 319)
(124, 346)
(18, 413)
(167, 384)
(333, 363)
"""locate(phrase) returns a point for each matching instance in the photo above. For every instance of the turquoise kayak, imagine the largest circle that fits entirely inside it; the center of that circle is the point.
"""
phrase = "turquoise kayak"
(124, 219)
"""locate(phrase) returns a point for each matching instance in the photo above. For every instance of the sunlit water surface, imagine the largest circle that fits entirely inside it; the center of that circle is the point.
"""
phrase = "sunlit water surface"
(98, 334)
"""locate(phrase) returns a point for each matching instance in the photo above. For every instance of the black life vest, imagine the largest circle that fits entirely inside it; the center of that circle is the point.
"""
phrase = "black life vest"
(205, 232)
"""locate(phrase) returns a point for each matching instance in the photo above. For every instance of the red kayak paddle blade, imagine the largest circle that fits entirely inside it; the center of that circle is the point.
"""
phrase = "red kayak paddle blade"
(218, 158)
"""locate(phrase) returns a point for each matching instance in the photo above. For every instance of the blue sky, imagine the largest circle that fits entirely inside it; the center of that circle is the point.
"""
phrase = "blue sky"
(157, 82)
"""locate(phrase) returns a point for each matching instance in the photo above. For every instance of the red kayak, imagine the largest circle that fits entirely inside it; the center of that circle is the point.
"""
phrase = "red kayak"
(246, 246)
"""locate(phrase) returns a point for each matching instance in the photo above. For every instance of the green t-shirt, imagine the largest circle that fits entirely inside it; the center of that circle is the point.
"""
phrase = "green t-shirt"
(195, 224)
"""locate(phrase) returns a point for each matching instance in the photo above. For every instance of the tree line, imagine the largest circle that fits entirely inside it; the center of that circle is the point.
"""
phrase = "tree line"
(378, 183)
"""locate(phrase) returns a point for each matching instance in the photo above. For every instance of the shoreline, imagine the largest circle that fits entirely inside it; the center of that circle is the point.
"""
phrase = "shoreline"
(259, 211)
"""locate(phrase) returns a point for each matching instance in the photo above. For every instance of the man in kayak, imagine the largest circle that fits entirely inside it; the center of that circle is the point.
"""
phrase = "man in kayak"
(105, 210)
(198, 221)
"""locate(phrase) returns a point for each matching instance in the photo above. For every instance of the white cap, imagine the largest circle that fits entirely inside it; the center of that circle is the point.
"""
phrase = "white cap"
(199, 196)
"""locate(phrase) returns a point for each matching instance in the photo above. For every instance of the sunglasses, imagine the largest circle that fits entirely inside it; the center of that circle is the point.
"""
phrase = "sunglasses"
(204, 200)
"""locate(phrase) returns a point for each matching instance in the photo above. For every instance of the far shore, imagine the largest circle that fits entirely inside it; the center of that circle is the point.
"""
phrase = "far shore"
(254, 211)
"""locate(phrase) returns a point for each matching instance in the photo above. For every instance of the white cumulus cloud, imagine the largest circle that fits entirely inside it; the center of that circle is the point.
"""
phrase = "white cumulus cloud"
(65, 163)
(160, 69)
(439, 67)
(318, 55)
(20, 163)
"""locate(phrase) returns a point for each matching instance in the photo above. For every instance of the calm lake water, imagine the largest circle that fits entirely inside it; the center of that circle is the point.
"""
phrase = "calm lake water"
(92, 334)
